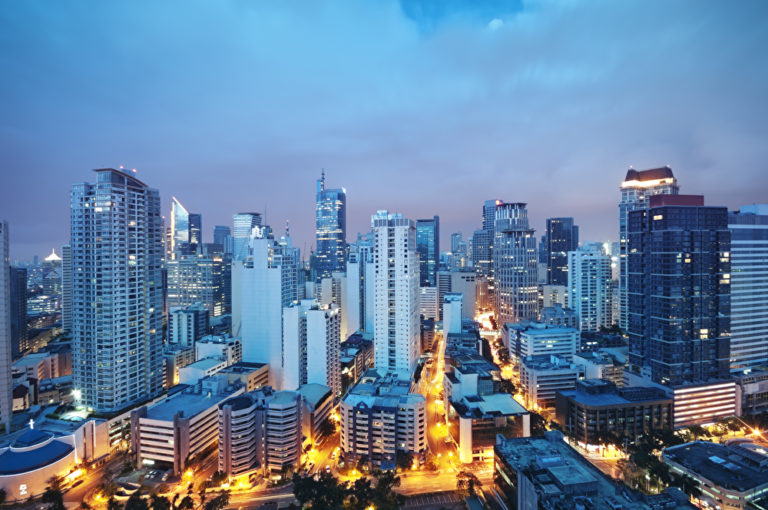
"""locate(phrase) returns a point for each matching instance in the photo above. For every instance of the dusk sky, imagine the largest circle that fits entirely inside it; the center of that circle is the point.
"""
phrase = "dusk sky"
(420, 107)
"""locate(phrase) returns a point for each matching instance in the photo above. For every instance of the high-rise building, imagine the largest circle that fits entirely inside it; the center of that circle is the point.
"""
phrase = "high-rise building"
(117, 253)
(6, 384)
(66, 288)
(679, 277)
(749, 276)
(481, 252)
(179, 235)
(199, 278)
(361, 271)
(187, 324)
(244, 223)
(590, 287)
(330, 229)
(311, 345)
(638, 186)
(396, 296)
(52, 274)
(19, 333)
(515, 264)
(562, 236)
(428, 246)
(263, 284)
(195, 231)
(222, 236)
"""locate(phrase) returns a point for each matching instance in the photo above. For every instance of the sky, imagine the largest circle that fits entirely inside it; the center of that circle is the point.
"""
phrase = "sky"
(421, 107)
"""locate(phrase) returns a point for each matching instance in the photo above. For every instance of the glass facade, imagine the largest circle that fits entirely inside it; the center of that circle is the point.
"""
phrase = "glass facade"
(562, 236)
(330, 230)
(428, 246)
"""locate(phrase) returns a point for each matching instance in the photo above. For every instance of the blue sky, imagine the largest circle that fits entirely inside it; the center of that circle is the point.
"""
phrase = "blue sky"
(422, 107)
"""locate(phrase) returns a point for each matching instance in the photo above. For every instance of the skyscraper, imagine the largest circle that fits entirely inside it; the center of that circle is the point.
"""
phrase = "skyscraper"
(244, 224)
(679, 290)
(19, 334)
(562, 237)
(515, 265)
(6, 385)
(198, 278)
(117, 252)
(749, 276)
(589, 287)
(66, 288)
(636, 189)
(222, 236)
(396, 295)
(179, 227)
(482, 240)
(428, 246)
(195, 231)
(330, 229)
(263, 284)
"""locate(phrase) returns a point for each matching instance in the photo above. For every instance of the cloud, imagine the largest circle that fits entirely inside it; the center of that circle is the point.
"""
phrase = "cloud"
(415, 106)
(495, 24)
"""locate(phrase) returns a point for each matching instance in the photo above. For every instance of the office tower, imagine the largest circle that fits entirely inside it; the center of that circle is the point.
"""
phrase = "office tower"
(330, 229)
(590, 286)
(452, 313)
(457, 244)
(187, 324)
(637, 188)
(18, 317)
(263, 283)
(515, 265)
(679, 283)
(362, 251)
(749, 274)
(222, 236)
(481, 252)
(52, 274)
(6, 384)
(396, 299)
(354, 298)
(198, 278)
(66, 288)
(117, 323)
(444, 281)
(562, 237)
(244, 223)
(179, 234)
(311, 345)
(195, 231)
(428, 247)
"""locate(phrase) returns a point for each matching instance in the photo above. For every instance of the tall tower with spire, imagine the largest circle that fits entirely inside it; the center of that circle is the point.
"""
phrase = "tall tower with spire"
(330, 229)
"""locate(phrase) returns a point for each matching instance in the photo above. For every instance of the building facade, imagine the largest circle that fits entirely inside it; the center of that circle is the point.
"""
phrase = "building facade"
(562, 237)
(590, 287)
(6, 386)
(117, 253)
(428, 246)
(187, 324)
(330, 229)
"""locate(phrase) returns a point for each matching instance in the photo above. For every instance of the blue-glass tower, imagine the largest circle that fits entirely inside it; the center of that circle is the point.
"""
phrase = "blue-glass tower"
(428, 246)
(330, 229)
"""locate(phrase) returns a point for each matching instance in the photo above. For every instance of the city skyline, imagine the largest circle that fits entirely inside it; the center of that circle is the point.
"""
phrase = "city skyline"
(445, 105)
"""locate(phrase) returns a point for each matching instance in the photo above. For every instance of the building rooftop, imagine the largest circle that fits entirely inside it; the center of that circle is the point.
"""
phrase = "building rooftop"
(190, 403)
(484, 406)
(242, 367)
(601, 393)
(649, 175)
(547, 362)
(726, 466)
(314, 393)
(205, 363)
(387, 391)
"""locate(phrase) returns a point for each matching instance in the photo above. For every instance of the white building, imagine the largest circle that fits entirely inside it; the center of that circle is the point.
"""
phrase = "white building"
(187, 324)
(515, 265)
(541, 377)
(225, 348)
(590, 287)
(244, 225)
(6, 386)
(198, 370)
(428, 306)
(530, 338)
(452, 313)
(379, 417)
(638, 186)
(262, 284)
(396, 335)
(337, 290)
(749, 278)
(465, 283)
(311, 343)
(117, 291)
(553, 295)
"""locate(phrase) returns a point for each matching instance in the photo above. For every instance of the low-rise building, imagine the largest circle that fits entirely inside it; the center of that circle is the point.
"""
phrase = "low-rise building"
(379, 417)
(223, 347)
(196, 371)
(752, 391)
(317, 401)
(173, 431)
(259, 431)
(596, 410)
(545, 473)
(541, 377)
(729, 477)
(530, 338)
(700, 404)
(250, 374)
(600, 366)
(557, 315)
(176, 357)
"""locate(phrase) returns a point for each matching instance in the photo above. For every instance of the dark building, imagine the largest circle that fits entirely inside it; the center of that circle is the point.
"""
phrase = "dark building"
(330, 230)
(428, 246)
(679, 290)
(222, 239)
(19, 332)
(597, 410)
(562, 236)
(195, 231)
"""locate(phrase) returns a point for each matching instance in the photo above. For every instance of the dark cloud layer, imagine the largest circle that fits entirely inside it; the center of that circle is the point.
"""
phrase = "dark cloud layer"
(420, 107)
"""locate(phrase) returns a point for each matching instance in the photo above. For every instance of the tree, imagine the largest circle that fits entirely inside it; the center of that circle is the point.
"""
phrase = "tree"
(158, 502)
(219, 477)
(360, 494)
(538, 424)
(136, 502)
(3, 496)
(108, 487)
(219, 502)
(84, 506)
(506, 386)
(384, 496)
(327, 428)
(467, 483)
(187, 503)
(323, 493)
(113, 504)
(404, 460)
(53, 495)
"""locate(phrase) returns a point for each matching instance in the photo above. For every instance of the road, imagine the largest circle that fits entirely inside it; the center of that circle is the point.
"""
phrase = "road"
(91, 480)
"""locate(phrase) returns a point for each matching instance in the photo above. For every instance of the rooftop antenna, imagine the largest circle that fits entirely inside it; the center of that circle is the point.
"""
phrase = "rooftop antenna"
(287, 228)
(322, 180)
